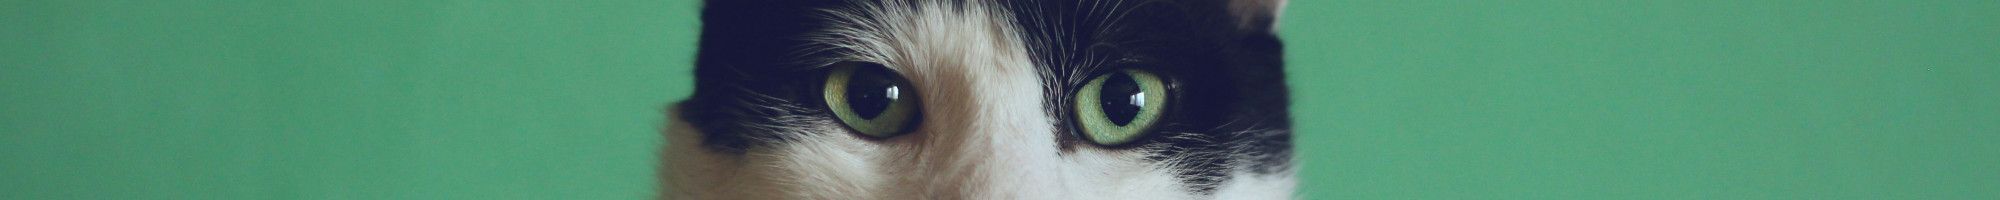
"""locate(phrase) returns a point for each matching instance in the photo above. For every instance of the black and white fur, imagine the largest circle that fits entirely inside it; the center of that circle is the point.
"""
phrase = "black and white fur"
(995, 78)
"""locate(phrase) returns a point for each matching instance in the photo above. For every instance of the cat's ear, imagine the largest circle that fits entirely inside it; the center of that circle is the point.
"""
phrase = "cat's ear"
(1257, 15)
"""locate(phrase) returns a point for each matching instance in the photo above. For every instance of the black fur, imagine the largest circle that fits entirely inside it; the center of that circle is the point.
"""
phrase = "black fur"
(1229, 99)
(745, 82)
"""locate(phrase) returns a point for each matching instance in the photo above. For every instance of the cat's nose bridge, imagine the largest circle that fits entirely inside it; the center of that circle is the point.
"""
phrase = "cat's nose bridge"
(988, 133)
(984, 101)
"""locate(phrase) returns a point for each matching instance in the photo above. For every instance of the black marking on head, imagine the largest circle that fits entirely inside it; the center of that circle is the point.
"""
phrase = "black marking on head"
(1229, 104)
(749, 90)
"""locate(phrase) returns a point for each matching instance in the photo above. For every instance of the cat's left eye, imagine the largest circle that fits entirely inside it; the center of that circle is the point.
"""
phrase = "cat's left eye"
(871, 99)
(1120, 107)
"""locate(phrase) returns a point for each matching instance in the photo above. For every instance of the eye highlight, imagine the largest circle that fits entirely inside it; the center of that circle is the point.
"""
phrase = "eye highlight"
(1120, 107)
(871, 100)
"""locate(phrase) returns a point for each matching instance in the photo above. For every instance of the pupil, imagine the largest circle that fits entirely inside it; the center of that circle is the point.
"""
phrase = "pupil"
(1121, 98)
(870, 91)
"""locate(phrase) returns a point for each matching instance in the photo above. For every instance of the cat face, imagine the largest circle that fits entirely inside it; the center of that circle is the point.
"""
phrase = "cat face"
(972, 99)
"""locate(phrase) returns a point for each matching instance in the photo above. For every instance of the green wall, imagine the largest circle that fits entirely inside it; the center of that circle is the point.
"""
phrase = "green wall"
(275, 99)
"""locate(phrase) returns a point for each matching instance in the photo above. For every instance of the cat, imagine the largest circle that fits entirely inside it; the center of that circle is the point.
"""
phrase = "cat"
(984, 99)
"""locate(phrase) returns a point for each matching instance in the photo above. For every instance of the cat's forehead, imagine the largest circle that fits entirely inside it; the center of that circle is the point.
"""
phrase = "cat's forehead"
(1065, 39)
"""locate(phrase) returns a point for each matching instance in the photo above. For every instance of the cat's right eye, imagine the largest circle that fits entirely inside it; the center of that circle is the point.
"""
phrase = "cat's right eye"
(871, 99)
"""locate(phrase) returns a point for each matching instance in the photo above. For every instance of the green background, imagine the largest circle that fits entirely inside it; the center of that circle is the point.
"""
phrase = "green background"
(275, 99)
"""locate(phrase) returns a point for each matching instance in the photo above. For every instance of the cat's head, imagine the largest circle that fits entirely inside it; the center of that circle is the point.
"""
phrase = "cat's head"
(984, 99)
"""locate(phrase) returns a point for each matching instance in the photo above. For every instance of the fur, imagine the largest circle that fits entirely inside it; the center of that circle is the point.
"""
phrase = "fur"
(993, 79)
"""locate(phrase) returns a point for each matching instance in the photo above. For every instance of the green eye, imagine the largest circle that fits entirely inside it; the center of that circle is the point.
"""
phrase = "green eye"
(1119, 107)
(870, 99)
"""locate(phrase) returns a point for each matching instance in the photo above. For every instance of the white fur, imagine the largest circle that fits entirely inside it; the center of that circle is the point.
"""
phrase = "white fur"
(1245, 10)
(985, 134)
